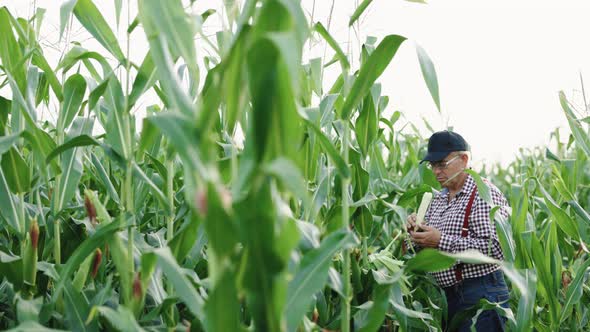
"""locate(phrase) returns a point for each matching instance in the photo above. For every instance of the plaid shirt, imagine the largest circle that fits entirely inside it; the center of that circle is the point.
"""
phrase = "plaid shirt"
(448, 218)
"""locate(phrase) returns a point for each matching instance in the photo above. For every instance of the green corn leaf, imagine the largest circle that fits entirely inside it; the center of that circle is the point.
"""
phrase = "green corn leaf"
(376, 313)
(174, 126)
(319, 28)
(370, 71)
(328, 147)
(10, 51)
(91, 18)
(42, 145)
(550, 155)
(429, 74)
(82, 273)
(31, 326)
(185, 237)
(234, 80)
(40, 61)
(222, 307)
(146, 77)
(402, 312)
(520, 203)
(96, 93)
(366, 125)
(183, 287)
(275, 129)
(78, 310)
(65, 12)
(577, 131)
(77, 54)
(160, 52)
(71, 165)
(429, 260)
(564, 221)
(78, 141)
(173, 25)
(359, 11)
(315, 69)
(122, 318)
(74, 90)
(525, 282)
(312, 275)
(40, 140)
(553, 258)
(158, 166)
(290, 176)
(8, 141)
(5, 109)
(104, 177)
(580, 211)
(35, 90)
(12, 268)
(544, 282)
(363, 221)
(17, 171)
(574, 290)
(504, 231)
(483, 189)
(133, 25)
(119, 132)
(26, 109)
(72, 172)
(149, 140)
(262, 263)
(158, 194)
(211, 97)
(118, 5)
(219, 223)
(473, 257)
(102, 234)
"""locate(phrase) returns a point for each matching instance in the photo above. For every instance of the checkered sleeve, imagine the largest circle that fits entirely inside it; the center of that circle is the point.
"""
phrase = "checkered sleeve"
(482, 231)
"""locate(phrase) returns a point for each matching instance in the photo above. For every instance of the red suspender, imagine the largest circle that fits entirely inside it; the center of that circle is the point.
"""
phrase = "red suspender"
(465, 231)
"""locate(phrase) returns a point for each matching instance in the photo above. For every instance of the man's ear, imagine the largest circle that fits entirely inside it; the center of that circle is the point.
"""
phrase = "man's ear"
(465, 158)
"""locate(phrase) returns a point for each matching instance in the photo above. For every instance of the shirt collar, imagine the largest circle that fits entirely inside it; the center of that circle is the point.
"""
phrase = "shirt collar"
(468, 185)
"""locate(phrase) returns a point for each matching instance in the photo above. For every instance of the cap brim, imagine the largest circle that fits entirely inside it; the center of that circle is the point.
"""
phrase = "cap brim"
(435, 156)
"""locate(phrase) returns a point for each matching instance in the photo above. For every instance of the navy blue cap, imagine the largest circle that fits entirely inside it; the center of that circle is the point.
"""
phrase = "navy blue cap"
(441, 143)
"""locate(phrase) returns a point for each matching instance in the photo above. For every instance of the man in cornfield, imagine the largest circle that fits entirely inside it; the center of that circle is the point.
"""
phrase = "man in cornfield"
(458, 219)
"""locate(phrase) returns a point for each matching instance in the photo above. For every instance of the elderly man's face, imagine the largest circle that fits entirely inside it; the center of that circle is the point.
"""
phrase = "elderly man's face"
(448, 167)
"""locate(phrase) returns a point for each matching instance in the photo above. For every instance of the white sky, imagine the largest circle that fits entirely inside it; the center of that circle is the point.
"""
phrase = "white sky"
(500, 64)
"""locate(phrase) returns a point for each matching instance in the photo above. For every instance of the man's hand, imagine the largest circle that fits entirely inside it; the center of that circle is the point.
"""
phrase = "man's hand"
(429, 237)
(411, 222)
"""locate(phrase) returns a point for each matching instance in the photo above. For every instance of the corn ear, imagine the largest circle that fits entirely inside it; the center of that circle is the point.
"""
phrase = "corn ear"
(30, 254)
(426, 198)
(96, 262)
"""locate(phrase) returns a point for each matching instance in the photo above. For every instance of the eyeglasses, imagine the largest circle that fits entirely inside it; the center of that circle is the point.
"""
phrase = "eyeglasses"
(442, 164)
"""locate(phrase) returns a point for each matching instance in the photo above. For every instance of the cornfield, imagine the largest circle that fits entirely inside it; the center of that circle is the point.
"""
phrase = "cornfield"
(261, 198)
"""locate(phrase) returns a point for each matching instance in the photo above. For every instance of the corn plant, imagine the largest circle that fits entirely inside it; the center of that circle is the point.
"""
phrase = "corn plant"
(256, 194)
